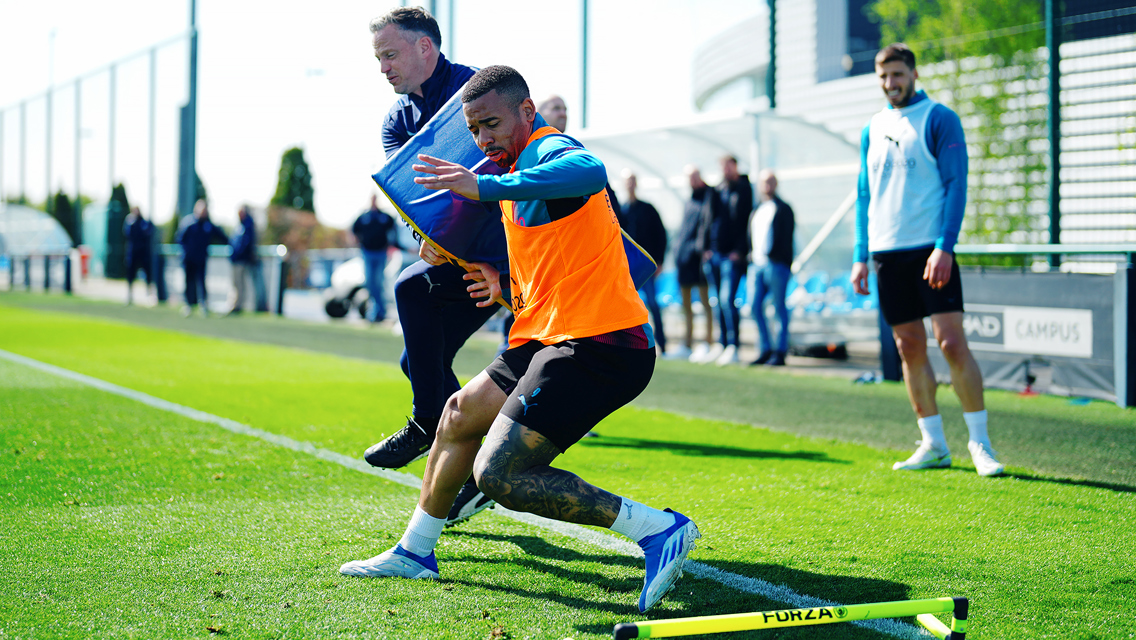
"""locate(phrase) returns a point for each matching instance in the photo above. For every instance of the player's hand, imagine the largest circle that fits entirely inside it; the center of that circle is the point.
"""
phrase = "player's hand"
(446, 175)
(860, 278)
(487, 283)
(937, 273)
(431, 255)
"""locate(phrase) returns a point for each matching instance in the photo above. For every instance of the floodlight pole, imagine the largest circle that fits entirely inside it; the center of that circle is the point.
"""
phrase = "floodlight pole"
(47, 148)
(111, 135)
(450, 27)
(192, 119)
(49, 117)
(1053, 44)
(78, 208)
(78, 138)
(584, 67)
(771, 70)
(23, 149)
(153, 126)
(3, 120)
(187, 165)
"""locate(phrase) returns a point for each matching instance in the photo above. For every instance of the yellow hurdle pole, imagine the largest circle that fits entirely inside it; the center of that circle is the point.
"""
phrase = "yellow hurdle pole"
(796, 618)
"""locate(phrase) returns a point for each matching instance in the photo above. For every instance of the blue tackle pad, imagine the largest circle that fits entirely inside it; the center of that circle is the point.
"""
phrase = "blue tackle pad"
(462, 229)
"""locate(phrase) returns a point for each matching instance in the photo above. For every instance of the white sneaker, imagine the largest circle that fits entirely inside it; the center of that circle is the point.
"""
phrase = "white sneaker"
(393, 563)
(729, 356)
(699, 353)
(927, 456)
(681, 352)
(985, 459)
(715, 352)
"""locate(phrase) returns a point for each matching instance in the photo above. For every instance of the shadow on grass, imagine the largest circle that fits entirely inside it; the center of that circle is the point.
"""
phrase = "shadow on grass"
(691, 596)
(715, 451)
(1110, 486)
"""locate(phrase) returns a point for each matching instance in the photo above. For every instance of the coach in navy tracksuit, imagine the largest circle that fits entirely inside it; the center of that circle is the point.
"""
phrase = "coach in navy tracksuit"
(194, 235)
(435, 310)
(139, 234)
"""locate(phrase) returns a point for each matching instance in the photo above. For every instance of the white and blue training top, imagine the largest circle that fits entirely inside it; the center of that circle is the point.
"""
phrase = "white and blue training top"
(912, 186)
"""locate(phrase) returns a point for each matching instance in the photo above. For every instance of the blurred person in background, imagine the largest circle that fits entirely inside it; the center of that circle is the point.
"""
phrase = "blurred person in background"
(554, 112)
(771, 233)
(435, 310)
(242, 258)
(725, 259)
(139, 234)
(195, 234)
(692, 241)
(373, 231)
(908, 222)
(646, 228)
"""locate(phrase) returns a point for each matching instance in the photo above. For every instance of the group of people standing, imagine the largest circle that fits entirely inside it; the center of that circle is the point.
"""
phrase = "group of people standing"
(723, 236)
(194, 235)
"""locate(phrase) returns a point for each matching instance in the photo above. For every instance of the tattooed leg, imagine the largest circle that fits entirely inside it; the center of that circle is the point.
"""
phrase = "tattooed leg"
(512, 468)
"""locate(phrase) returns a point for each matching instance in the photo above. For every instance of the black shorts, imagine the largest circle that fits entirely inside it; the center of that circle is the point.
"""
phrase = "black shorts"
(563, 390)
(904, 295)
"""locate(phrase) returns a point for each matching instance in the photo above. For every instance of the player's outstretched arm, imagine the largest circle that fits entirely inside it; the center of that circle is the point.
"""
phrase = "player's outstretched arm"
(446, 175)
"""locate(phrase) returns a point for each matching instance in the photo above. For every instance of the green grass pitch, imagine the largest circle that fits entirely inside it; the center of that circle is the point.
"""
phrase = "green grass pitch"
(122, 520)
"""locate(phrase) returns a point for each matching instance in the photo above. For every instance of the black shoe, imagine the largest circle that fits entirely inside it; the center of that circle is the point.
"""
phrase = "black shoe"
(778, 360)
(470, 502)
(411, 443)
(762, 359)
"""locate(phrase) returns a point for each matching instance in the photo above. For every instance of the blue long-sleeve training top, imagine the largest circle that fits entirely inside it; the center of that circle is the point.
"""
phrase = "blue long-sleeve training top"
(945, 141)
(550, 182)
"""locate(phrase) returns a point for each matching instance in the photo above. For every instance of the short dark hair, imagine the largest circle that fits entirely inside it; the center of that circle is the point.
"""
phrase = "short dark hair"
(506, 81)
(896, 52)
(413, 19)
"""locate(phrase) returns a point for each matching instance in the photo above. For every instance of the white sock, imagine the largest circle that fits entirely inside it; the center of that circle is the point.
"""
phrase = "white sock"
(976, 424)
(422, 533)
(932, 429)
(637, 521)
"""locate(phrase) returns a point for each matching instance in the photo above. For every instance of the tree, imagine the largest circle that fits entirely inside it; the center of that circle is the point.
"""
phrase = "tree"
(199, 190)
(994, 58)
(60, 208)
(294, 186)
(117, 210)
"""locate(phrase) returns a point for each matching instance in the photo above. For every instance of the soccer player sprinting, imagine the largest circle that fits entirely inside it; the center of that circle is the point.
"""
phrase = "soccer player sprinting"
(580, 347)
(912, 193)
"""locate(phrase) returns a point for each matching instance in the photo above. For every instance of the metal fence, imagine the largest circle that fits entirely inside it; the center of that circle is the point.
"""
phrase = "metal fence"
(1005, 113)
(65, 272)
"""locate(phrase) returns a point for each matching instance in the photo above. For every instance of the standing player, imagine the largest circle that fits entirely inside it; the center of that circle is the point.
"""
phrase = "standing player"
(434, 308)
(571, 362)
(912, 193)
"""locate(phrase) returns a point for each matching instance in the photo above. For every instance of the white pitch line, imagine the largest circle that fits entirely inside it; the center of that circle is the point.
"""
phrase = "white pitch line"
(754, 586)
